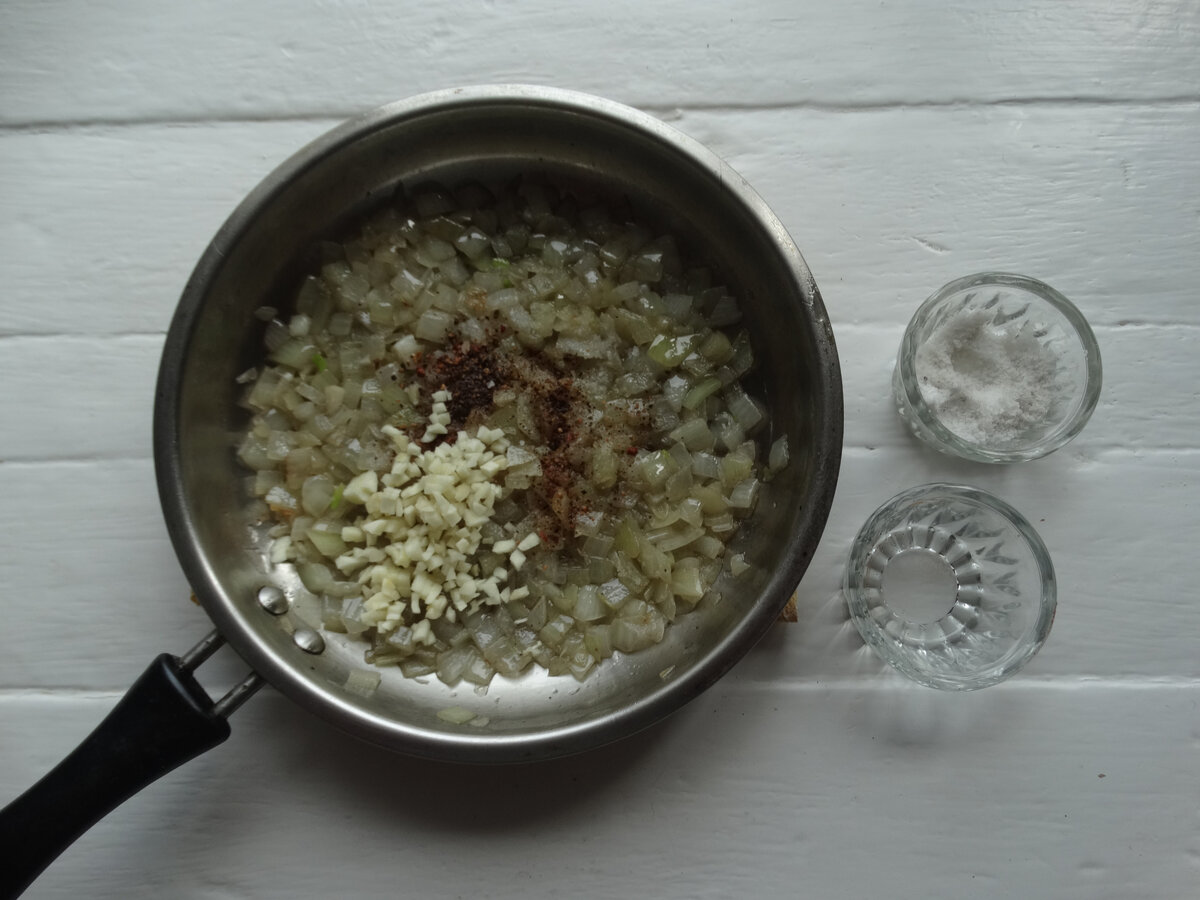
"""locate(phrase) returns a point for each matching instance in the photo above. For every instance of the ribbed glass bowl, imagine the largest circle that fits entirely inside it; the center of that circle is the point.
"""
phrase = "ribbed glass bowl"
(994, 413)
(951, 586)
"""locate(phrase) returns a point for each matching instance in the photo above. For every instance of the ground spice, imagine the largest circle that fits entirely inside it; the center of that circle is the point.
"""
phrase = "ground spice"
(474, 372)
(472, 375)
(561, 493)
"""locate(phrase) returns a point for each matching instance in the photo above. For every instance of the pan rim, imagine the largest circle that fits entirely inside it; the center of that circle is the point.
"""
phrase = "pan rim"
(387, 731)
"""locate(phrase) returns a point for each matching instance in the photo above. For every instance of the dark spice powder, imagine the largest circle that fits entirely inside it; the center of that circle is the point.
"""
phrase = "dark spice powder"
(474, 372)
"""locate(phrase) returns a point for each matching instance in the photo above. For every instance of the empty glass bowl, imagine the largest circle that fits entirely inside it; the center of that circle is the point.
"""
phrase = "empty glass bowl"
(997, 368)
(951, 586)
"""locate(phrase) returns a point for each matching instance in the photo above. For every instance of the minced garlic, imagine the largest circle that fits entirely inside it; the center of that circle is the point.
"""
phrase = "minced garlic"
(413, 548)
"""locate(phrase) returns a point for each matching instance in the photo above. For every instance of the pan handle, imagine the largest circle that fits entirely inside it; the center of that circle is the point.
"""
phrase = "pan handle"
(164, 720)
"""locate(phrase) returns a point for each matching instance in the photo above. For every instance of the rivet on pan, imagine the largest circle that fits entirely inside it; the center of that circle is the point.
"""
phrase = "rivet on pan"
(308, 640)
(273, 600)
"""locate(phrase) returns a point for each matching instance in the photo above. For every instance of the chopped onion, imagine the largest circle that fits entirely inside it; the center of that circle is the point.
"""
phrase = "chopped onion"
(744, 494)
(593, 348)
(686, 580)
(677, 306)
(598, 640)
(743, 355)
(778, 457)
(735, 467)
(722, 523)
(416, 666)
(588, 605)
(503, 299)
(328, 542)
(676, 537)
(667, 469)
(707, 545)
(472, 243)
(479, 671)
(654, 561)
(455, 715)
(705, 465)
(639, 626)
(316, 494)
(555, 631)
(724, 312)
(669, 352)
(433, 325)
(716, 348)
(362, 682)
(452, 664)
(701, 392)
(694, 434)
(278, 497)
(264, 480)
(745, 411)
(614, 593)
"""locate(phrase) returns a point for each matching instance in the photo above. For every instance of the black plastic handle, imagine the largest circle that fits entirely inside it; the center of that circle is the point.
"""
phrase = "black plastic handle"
(164, 720)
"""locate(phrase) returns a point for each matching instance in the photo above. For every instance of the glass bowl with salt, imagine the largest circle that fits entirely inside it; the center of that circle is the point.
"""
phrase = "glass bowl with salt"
(997, 368)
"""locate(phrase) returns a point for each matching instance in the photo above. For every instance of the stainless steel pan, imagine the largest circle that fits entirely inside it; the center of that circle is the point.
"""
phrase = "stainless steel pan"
(488, 134)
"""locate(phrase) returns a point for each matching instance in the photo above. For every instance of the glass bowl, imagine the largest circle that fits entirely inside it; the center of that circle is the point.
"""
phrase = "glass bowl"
(951, 586)
(997, 368)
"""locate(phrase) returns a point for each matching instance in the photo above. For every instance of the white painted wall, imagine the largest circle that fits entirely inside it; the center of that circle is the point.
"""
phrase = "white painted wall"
(903, 144)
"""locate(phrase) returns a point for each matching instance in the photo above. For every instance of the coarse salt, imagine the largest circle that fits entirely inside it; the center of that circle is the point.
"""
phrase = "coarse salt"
(988, 383)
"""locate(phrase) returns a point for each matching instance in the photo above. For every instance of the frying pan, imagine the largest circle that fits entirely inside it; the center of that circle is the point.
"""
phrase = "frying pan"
(488, 134)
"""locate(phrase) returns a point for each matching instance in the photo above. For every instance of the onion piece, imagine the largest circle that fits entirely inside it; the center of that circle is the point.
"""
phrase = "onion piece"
(686, 580)
(598, 640)
(701, 392)
(724, 312)
(669, 352)
(639, 626)
(588, 606)
(555, 631)
(694, 434)
(716, 348)
(777, 459)
(675, 537)
(455, 715)
(742, 360)
(415, 667)
(276, 335)
(614, 593)
(729, 432)
(326, 540)
(705, 465)
(707, 545)
(315, 576)
(452, 664)
(746, 412)
(744, 494)
(362, 682)
(472, 243)
(433, 325)
(317, 494)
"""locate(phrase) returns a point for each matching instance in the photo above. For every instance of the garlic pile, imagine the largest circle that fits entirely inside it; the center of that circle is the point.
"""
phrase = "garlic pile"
(414, 544)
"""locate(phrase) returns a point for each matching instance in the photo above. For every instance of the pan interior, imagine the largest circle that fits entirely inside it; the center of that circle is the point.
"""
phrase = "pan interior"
(258, 258)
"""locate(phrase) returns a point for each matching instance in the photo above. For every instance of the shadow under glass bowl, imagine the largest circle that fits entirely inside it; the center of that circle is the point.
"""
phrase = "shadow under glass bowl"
(951, 586)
